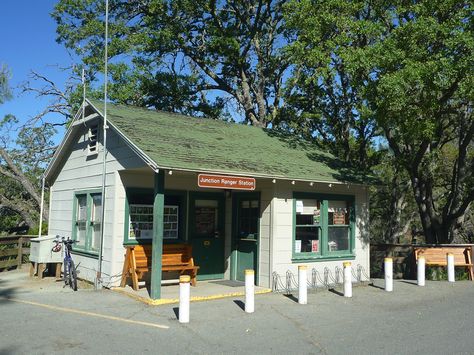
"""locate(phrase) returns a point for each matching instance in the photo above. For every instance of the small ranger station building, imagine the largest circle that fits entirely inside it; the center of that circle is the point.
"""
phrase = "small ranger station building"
(243, 197)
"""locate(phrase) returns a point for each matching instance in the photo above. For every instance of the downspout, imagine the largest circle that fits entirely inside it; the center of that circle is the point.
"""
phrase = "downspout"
(271, 241)
(41, 206)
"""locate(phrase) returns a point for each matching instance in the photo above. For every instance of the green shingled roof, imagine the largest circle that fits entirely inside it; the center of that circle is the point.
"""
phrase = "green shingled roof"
(180, 142)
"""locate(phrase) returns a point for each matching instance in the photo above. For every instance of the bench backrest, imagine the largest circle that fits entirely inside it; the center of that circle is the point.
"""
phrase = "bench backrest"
(173, 254)
(435, 255)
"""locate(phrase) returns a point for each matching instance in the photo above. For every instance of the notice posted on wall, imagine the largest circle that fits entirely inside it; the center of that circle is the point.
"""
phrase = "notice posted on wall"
(315, 245)
(339, 218)
(297, 246)
(299, 206)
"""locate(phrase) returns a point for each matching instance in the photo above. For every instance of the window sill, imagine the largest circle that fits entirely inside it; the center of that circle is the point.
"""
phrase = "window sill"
(89, 254)
(149, 241)
(305, 259)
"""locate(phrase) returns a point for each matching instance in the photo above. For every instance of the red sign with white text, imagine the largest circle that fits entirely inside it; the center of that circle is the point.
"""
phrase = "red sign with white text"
(226, 182)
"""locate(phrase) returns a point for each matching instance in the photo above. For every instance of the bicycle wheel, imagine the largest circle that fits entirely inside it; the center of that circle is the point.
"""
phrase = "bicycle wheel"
(65, 271)
(72, 276)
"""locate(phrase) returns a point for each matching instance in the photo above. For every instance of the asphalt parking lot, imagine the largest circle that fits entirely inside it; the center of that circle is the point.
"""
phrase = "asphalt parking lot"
(42, 317)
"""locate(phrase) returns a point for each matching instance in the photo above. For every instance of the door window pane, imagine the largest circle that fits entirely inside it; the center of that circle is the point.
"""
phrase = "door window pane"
(248, 219)
(205, 213)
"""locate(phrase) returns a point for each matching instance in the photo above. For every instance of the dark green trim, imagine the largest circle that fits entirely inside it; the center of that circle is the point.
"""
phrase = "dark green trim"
(220, 198)
(236, 198)
(88, 237)
(157, 242)
(325, 254)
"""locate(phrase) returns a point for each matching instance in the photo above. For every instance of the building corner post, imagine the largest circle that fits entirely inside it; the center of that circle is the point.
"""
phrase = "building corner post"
(157, 241)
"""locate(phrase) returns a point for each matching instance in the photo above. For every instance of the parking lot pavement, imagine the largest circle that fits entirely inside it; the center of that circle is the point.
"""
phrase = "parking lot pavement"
(436, 319)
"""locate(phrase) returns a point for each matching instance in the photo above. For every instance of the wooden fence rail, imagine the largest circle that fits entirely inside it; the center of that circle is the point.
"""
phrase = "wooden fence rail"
(403, 255)
(14, 250)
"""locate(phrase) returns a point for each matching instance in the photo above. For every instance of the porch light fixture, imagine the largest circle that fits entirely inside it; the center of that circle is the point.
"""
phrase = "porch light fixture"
(293, 182)
(311, 183)
(330, 185)
(274, 181)
(170, 172)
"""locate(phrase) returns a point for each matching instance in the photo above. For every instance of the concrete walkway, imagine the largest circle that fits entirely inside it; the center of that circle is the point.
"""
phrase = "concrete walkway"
(37, 318)
(204, 291)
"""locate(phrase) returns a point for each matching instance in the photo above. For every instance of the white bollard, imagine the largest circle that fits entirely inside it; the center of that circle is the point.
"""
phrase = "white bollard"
(249, 291)
(347, 279)
(302, 284)
(184, 293)
(388, 267)
(450, 260)
(420, 271)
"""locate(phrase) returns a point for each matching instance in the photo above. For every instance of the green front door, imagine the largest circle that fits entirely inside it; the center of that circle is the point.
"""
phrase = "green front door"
(206, 234)
(246, 217)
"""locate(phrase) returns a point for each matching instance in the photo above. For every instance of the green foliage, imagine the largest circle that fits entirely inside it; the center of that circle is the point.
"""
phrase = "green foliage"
(328, 91)
(404, 68)
(194, 57)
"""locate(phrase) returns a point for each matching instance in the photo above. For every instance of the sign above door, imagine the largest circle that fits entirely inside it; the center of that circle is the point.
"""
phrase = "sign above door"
(226, 182)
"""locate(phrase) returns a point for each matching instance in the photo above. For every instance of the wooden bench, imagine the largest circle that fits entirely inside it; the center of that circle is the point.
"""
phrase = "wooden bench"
(437, 256)
(176, 257)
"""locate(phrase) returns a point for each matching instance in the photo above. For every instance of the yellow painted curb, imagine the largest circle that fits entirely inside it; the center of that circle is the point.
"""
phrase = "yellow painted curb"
(164, 301)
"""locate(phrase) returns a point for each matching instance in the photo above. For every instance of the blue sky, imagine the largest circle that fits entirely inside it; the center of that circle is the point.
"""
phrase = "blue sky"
(28, 42)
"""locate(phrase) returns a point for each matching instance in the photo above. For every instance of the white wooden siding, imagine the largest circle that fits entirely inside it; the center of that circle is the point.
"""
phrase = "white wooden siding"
(81, 171)
(283, 226)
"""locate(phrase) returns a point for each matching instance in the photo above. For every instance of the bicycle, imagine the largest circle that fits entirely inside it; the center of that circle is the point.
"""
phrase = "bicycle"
(69, 274)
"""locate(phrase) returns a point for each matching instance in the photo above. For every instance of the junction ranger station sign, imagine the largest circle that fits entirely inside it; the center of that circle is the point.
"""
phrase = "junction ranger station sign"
(226, 182)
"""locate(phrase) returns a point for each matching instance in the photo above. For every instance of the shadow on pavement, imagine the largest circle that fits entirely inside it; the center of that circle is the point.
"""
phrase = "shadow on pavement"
(6, 292)
(8, 351)
(336, 292)
(240, 304)
(176, 312)
(414, 283)
(375, 286)
(291, 297)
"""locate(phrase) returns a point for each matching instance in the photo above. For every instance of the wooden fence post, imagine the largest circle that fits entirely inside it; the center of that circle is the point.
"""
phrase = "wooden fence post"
(20, 252)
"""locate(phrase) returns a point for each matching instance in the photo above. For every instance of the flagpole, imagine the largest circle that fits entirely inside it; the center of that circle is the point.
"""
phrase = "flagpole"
(104, 162)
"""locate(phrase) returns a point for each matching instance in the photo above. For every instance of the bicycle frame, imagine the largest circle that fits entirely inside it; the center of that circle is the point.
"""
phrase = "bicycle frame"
(69, 274)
